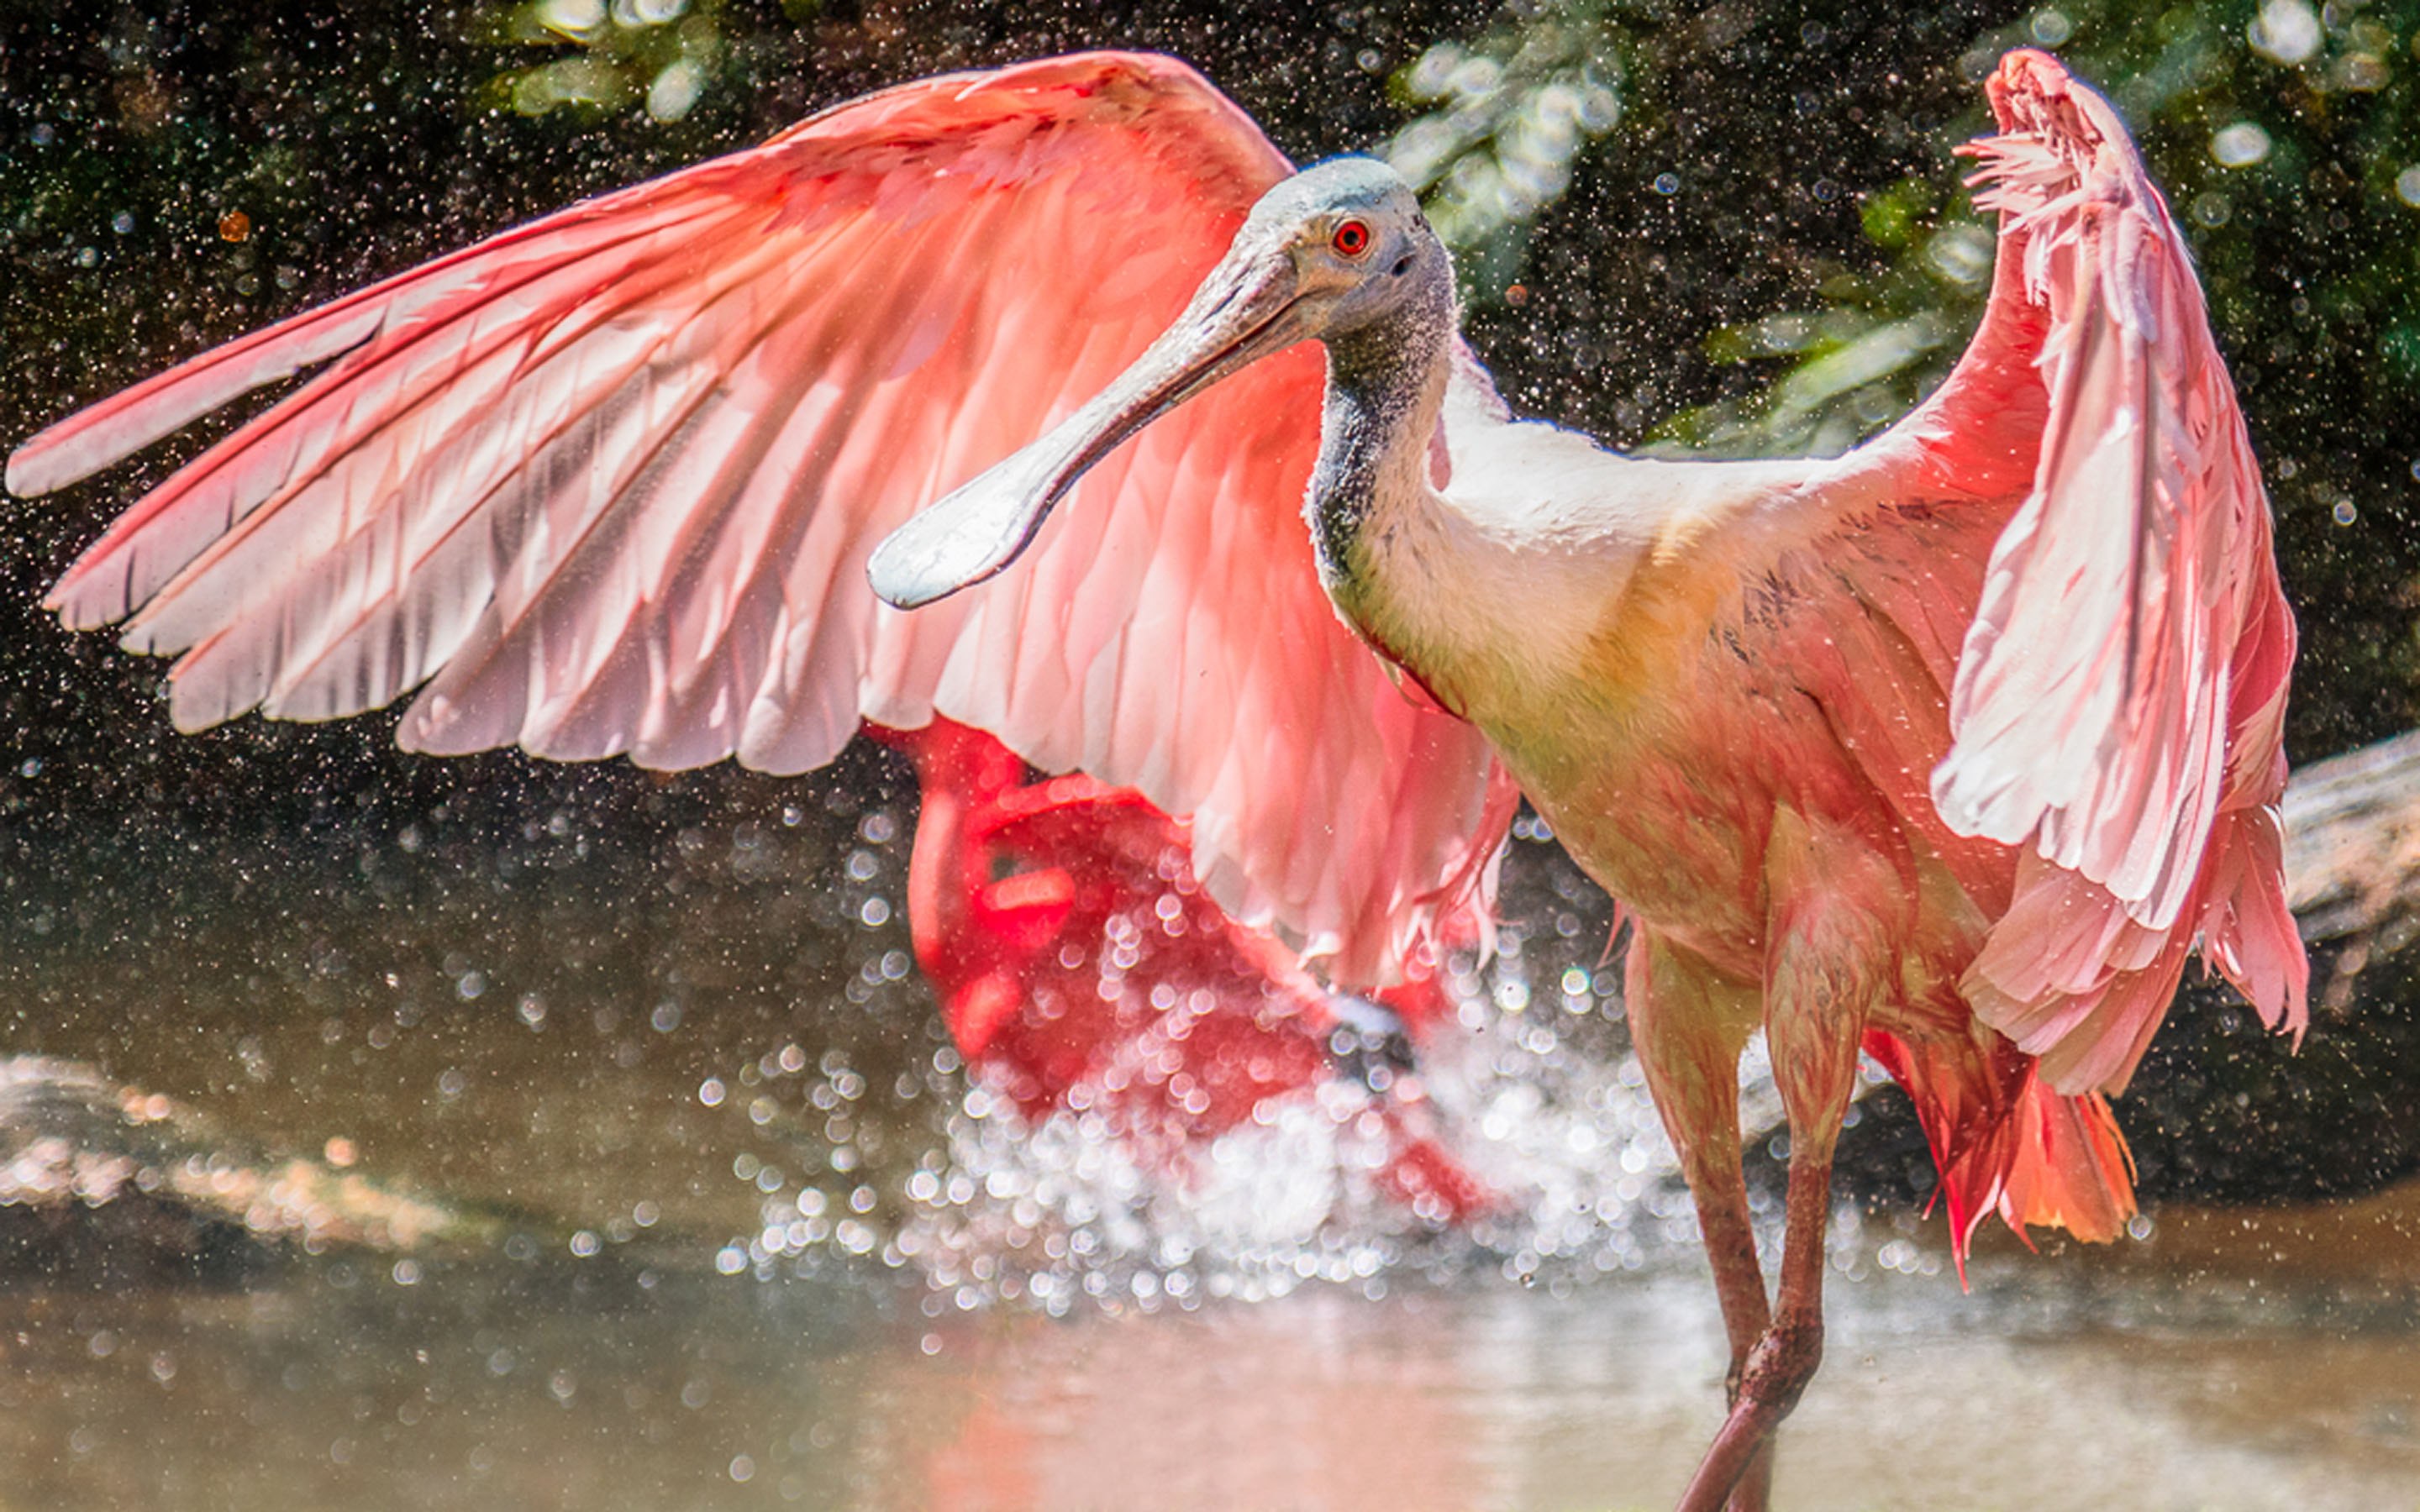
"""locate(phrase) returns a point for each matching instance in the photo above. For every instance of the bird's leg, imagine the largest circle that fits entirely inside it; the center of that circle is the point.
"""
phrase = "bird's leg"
(1688, 1027)
(1819, 978)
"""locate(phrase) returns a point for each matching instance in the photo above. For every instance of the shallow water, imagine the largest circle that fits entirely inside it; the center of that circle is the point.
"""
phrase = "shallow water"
(745, 1235)
(2053, 1386)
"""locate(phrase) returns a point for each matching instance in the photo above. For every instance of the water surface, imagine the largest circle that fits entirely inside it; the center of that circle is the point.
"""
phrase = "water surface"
(742, 1233)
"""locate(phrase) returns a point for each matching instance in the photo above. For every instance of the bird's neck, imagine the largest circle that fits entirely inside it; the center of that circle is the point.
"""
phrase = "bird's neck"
(1437, 584)
(1543, 567)
(1385, 387)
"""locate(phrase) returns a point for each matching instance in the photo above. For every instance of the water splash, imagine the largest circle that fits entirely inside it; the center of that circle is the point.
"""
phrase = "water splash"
(1538, 1097)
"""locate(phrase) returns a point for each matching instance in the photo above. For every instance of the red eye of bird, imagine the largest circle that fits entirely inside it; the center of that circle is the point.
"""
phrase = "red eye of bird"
(1352, 239)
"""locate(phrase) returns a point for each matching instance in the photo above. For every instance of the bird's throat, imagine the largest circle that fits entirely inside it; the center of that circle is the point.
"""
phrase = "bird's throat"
(1385, 386)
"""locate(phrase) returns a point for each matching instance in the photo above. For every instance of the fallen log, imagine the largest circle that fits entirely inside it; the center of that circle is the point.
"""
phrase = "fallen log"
(2353, 848)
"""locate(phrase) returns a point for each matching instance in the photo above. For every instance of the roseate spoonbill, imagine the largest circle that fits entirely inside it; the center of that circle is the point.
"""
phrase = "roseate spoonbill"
(1079, 962)
(1950, 749)
(1954, 747)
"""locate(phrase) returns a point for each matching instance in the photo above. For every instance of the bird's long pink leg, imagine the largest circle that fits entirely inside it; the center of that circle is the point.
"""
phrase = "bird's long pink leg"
(1821, 974)
(1688, 1027)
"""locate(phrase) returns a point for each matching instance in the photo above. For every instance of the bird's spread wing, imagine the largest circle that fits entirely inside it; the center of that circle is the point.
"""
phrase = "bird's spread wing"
(2119, 697)
(605, 484)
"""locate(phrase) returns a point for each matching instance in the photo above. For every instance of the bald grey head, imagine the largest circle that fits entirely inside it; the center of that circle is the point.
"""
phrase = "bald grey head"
(1339, 249)
(1301, 217)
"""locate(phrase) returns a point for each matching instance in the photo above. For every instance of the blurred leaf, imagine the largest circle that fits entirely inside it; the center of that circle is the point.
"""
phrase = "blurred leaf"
(1506, 118)
(658, 54)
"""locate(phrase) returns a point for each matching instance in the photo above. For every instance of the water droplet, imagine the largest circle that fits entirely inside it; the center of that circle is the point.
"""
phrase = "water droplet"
(2285, 31)
(2050, 27)
(2238, 145)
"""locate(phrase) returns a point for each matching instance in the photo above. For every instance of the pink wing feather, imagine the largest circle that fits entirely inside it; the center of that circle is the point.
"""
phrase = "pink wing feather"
(605, 484)
(2120, 699)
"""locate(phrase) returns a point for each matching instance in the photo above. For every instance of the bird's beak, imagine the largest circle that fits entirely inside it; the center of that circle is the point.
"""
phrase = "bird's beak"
(1249, 306)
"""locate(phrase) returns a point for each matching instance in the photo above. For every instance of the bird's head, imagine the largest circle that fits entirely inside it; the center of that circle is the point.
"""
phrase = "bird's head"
(1337, 248)
(1342, 245)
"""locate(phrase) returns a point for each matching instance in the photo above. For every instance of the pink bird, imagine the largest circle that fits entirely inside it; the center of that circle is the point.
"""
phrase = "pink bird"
(1954, 747)
(1080, 963)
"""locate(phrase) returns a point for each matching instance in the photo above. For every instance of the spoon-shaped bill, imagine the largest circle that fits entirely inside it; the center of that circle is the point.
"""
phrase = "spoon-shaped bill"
(1248, 308)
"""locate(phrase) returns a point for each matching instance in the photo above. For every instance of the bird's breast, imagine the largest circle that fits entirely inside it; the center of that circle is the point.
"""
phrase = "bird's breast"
(1717, 692)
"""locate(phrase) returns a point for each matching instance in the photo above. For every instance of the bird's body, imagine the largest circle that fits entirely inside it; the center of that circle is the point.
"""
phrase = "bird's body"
(1951, 749)
(1746, 727)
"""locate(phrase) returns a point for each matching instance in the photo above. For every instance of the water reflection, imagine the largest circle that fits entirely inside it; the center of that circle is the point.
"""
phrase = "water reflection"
(733, 1228)
(609, 1387)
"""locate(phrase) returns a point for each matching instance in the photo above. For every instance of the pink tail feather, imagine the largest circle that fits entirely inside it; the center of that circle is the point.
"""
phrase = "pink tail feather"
(2071, 1168)
(2005, 1142)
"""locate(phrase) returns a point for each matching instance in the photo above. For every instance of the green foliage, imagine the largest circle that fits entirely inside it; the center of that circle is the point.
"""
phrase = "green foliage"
(1744, 213)
(612, 54)
(1502, 120)
(1861, 362)
(2245, 116)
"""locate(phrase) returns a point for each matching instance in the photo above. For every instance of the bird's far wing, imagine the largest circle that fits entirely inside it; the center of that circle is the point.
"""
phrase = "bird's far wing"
(606, 483)
(2120, 693)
